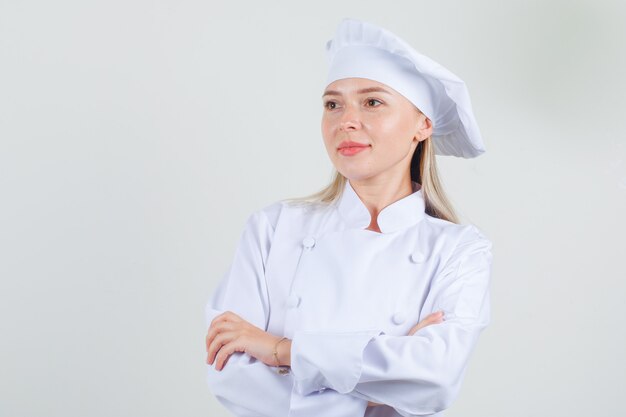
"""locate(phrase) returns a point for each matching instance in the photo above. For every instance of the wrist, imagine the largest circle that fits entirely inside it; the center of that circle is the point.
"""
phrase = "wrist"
(283, 352)
(282, 356)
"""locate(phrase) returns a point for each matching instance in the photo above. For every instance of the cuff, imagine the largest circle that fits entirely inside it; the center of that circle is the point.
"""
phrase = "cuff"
(333, 360)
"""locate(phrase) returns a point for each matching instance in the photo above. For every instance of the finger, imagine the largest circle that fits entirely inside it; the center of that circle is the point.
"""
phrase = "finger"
(225, 352)
(216, 319)
(220, 340)
(430, 319)
(433, 318)
(215, 329)
(218, 327)
(225, 316)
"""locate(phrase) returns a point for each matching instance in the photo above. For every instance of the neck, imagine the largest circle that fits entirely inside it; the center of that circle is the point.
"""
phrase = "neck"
(376, 195)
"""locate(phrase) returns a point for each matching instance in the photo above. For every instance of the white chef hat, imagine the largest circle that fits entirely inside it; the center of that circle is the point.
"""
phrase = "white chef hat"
(363, 50)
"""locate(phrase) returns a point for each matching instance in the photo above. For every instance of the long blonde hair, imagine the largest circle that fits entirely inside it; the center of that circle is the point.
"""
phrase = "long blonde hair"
(423, 171)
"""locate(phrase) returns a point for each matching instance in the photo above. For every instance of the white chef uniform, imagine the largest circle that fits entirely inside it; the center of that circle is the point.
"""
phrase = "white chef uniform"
(347, 297)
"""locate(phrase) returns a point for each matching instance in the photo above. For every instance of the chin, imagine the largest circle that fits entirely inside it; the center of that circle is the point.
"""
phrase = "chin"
(355, 176)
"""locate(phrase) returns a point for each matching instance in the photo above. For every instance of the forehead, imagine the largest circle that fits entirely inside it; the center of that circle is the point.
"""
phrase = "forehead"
(357, 86)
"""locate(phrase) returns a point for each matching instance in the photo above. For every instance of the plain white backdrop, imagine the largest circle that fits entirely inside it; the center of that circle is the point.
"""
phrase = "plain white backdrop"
(137, 136)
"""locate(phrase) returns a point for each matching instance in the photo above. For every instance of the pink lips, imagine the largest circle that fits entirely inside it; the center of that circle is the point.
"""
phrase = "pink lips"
(349, 148)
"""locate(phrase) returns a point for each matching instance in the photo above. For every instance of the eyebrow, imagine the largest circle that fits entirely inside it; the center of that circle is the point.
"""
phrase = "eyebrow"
(361, 91)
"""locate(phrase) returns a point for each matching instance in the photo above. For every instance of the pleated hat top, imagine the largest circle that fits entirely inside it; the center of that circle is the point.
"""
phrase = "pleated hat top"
(362, 50)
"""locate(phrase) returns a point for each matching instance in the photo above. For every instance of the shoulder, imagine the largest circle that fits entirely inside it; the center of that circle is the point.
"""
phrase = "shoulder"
(461, 240)
(289, 211)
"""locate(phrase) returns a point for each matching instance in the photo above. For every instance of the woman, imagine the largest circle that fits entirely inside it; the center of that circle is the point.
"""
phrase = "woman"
(366, 298)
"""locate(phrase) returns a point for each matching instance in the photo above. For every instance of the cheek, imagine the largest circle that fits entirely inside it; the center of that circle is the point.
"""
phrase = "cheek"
(394, 137)
(394, 129)
(324, 127)
(326, 133)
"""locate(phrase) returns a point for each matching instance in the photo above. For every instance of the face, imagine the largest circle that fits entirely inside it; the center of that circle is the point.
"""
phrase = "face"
(370, 130)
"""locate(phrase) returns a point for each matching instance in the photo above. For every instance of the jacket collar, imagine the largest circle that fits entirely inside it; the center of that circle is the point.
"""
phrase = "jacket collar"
(398, 215)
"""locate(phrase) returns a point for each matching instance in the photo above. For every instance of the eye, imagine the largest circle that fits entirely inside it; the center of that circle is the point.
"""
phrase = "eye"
(330, 105)
(372, 102)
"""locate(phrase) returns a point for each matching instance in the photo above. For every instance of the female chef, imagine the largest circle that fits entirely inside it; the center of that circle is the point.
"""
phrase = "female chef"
(332, 304)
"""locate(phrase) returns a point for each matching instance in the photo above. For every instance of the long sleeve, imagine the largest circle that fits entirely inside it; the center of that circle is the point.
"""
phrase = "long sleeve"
(245, 386)
(419, 374)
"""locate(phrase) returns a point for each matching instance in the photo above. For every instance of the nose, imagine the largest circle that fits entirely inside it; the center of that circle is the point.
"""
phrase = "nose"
(349, 120)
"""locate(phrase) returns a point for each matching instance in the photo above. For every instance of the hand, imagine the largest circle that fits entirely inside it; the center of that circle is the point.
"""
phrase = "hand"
(230, 333)
(433, 318)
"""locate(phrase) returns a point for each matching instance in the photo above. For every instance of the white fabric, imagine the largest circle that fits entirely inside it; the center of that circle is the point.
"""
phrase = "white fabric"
(362, 50)
(347, 297)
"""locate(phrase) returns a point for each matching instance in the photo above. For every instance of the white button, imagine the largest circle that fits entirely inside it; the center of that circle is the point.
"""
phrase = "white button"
(399, 317)
(293, 301)
(417, 257)
(308, 242)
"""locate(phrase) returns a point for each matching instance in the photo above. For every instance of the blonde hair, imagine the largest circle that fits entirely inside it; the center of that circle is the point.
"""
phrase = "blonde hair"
(423, 171)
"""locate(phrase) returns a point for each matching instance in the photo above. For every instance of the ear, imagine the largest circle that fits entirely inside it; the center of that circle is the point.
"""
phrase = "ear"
(424, 128)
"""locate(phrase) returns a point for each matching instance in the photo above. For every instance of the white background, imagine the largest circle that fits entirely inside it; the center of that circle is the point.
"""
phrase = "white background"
(137, 136)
